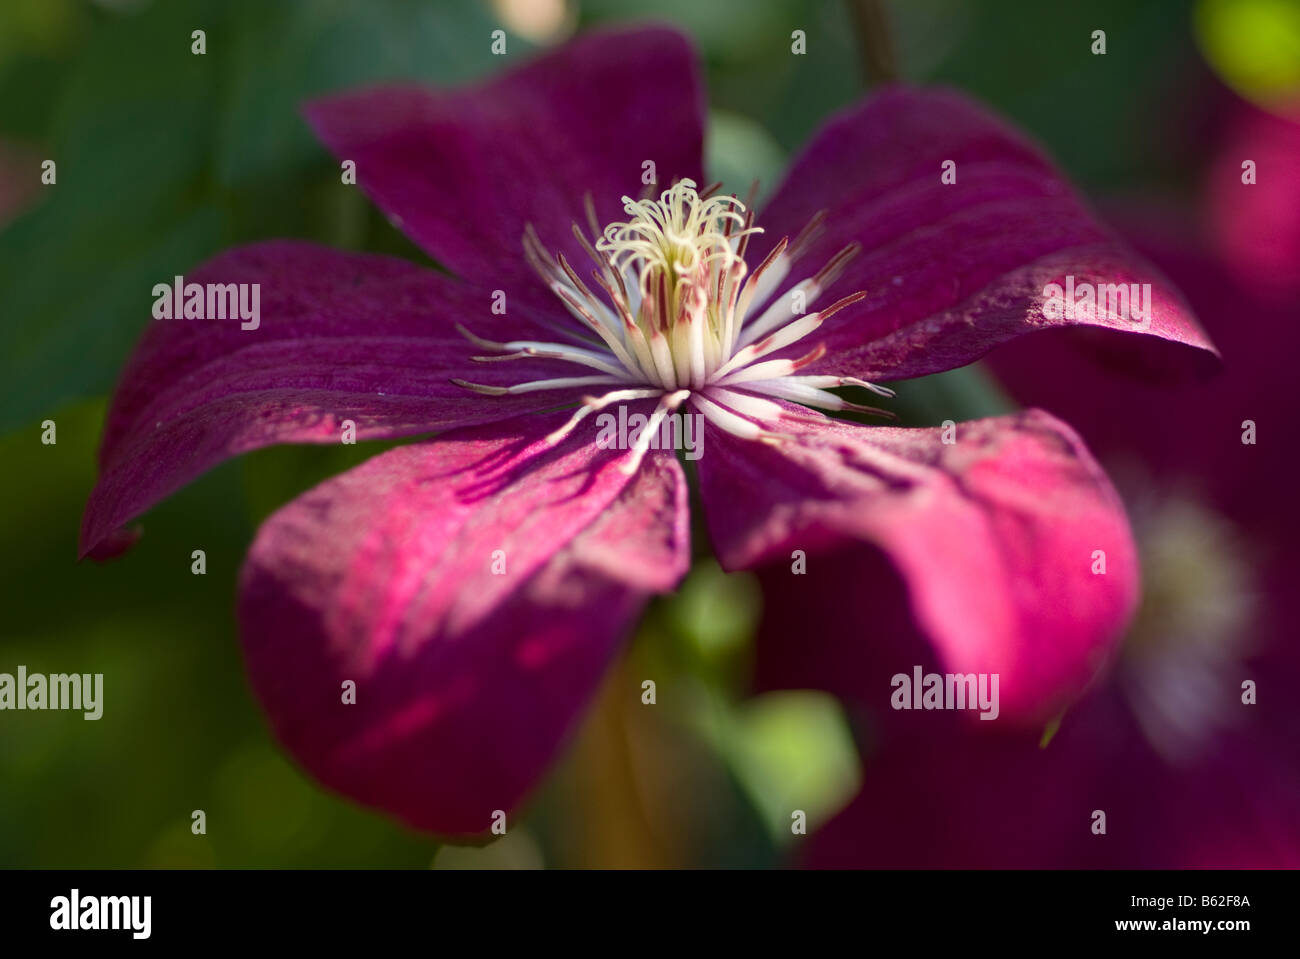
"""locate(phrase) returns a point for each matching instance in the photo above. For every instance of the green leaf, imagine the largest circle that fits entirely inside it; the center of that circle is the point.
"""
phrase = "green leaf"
(789, 751)
(714, 613)
(966, 393)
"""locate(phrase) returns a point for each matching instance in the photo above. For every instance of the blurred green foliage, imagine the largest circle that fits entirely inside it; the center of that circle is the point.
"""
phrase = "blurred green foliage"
(164, 158)
(179, 729)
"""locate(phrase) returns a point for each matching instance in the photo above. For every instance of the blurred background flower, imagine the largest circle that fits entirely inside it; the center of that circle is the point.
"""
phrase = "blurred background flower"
(1188, 744)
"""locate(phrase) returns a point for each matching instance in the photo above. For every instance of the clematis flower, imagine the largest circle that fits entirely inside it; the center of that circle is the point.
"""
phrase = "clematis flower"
(474, 585)
(1188, 773)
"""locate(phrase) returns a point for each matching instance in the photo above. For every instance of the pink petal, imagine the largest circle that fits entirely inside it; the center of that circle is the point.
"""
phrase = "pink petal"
(462, 171)
(466, 681)
(1257, 225)
(992, 538)
(952, 270)
(342, 336)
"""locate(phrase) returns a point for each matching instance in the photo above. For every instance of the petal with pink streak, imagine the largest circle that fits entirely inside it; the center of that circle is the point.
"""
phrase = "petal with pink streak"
(953, 269)
(992, 538)
(470, 664)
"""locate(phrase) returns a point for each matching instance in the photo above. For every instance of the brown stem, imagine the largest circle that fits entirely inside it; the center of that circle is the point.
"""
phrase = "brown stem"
(874, 43)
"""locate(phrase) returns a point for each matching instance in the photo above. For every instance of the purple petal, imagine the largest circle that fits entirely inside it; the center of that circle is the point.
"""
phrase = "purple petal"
(466, 680)
(975, 799)
(1200, 423)
(342, 336)
(952, 270)
(462, 171)
(992, 538)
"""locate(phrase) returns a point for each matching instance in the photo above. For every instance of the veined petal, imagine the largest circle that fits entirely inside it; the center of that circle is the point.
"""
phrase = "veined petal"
(993, 539)
(339, 336)
(953, 269)
(473, 588)
(463, 171)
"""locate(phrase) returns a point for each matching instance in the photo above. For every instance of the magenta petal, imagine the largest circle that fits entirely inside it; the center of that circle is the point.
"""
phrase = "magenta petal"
(466, 679)
(1256, 225)
(979, 799)
(952, 270)
(993, 538)
(342, 336)
(1201, 422)
(462, 171)
(115, 544)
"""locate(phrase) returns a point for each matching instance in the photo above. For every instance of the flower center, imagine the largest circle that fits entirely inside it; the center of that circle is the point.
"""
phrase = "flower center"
(683, 251)
(1192, 630)
(684, 320)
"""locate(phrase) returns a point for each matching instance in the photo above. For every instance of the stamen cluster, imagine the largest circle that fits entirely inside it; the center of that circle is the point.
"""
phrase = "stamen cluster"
(682, 319)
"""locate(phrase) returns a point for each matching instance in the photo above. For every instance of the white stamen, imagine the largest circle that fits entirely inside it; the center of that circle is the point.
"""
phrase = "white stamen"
(591, 404)
(668, 404)
(675, 319)
(560, 383)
